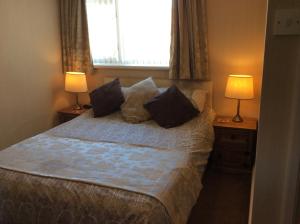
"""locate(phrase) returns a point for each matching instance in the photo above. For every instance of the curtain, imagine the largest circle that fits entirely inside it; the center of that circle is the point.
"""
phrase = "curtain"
(188, 53)
(74, 35)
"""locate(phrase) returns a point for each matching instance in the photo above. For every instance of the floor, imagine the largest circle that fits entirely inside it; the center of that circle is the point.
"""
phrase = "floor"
(224, 199)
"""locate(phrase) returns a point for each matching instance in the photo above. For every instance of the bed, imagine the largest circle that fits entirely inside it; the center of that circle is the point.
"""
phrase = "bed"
(104, 170)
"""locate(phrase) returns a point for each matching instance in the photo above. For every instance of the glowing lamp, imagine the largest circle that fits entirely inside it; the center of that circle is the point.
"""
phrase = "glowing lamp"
(75, 82)
(239, 87)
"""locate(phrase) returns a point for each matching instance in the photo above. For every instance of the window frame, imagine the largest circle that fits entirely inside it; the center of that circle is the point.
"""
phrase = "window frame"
(129, 67)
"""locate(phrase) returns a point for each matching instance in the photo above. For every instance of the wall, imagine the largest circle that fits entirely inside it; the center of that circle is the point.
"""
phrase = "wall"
(236, 33)
(277, 159)
(31, 80)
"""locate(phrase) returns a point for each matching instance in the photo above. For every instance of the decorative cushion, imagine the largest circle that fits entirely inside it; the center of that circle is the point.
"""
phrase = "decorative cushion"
(132, 109)
(199, 97)
(107, 98)
(171, 108)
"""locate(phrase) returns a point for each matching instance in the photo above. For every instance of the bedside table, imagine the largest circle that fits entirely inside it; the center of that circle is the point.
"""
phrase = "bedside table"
(68, 114)
(235, 145)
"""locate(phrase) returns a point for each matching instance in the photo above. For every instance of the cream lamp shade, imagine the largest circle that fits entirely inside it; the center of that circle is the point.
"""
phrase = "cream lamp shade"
(75, 82)
(240, 87)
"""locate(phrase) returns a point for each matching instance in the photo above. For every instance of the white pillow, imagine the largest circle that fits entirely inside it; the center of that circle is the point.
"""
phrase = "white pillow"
(199, 96)
(135, 97)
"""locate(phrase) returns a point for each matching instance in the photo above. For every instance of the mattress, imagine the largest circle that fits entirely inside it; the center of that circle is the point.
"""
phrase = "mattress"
(104, 170)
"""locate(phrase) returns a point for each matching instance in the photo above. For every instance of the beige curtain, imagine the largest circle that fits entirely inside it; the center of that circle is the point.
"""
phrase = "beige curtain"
(74, 35)
(188, 59)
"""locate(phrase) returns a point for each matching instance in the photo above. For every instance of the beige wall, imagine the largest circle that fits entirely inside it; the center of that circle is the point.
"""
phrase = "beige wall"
(31, 81)
(277, 159)
(236, 33)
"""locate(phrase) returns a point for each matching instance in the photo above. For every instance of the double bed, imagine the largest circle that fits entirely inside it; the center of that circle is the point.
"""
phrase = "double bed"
(105, 170)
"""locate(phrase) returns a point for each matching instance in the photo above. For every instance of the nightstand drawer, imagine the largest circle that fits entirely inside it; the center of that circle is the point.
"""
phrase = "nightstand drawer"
(233, 160)
(232, 136)
(233, 147)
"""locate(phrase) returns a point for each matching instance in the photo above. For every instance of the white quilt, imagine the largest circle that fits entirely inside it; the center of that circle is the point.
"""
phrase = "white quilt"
(142, 158)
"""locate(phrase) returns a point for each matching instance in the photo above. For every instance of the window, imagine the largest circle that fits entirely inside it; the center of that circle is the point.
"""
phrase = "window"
(130, 32)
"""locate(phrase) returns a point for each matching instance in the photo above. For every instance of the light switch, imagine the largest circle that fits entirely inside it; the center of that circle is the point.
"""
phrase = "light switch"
(287, 22)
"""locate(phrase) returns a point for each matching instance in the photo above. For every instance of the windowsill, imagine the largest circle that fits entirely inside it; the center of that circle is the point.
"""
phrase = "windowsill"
(131, 71)
(131, 67)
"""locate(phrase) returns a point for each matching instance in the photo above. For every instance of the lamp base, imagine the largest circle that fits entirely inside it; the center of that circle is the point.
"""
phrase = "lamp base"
(237, 118)
(77, 107)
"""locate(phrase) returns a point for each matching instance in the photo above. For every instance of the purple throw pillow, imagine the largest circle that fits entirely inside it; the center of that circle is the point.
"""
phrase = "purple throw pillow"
(171, 108)
(107, 98)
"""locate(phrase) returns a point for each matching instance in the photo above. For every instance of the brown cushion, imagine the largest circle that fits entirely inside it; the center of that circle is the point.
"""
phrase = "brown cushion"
(107, 98)
(171, 108)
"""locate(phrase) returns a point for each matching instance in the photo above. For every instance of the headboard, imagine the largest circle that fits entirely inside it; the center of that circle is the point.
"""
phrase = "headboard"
(182, 84)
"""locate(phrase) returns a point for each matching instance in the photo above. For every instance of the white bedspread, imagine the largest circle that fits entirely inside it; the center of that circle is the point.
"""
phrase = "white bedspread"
(195, 136)
(155, 172)
(142, 158)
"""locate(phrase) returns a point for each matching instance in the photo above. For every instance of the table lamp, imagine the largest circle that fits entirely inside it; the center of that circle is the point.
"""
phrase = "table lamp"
(239, 87)
(75, 82)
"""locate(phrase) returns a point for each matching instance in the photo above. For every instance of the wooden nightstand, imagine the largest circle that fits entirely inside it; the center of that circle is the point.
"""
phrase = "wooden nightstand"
(68, 114)
(235, 145)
